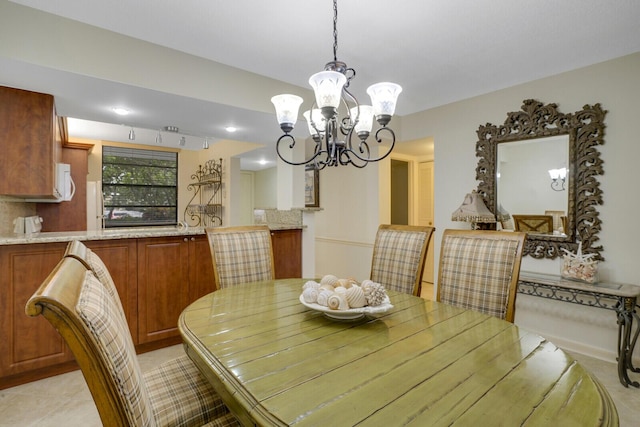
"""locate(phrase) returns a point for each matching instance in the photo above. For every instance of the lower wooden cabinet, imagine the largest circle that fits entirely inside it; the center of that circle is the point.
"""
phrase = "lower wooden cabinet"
(120, 256)
(156, 279)
(172, 273)
(287, 253)
(27, 345)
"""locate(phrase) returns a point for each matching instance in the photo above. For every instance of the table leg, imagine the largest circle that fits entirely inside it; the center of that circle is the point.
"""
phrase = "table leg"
(626, 312)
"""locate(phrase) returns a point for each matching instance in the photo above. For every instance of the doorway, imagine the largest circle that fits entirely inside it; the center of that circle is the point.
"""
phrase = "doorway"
(399, 192)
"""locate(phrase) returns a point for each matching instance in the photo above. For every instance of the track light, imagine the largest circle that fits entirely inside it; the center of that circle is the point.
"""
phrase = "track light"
(183, 141)
(159, 138)
(132, 135)
(205, 145)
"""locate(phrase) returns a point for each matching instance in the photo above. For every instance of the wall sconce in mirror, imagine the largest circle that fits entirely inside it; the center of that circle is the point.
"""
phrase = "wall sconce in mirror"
(558, 178)
(474, 210)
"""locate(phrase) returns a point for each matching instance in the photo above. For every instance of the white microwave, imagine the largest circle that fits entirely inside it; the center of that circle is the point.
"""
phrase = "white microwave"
(64, 188)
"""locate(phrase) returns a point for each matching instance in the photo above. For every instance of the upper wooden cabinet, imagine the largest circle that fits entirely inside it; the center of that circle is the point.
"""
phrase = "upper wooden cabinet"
(30, 142)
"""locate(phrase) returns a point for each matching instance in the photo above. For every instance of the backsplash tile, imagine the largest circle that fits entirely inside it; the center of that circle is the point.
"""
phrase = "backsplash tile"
(9, 211)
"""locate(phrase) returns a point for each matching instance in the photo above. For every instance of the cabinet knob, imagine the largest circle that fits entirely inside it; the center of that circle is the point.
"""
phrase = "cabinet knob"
(193, 239)
(186, 240)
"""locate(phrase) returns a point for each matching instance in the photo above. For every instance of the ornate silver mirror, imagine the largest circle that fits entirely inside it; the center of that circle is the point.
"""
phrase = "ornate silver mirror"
(542, 163)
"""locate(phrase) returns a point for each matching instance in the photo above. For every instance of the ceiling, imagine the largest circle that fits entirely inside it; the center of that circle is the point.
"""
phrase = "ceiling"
(439, 51)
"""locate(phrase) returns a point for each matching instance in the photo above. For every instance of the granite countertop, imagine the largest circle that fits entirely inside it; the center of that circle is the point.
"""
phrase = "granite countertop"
(111, 234)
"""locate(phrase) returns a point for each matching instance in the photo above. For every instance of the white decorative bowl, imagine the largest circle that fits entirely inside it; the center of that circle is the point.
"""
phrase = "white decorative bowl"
(350, 314)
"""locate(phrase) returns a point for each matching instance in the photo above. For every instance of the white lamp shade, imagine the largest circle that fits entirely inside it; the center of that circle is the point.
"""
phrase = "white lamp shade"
(318, 120)
(365, 121)
(384, 97)
(327, 86)
(287, 107)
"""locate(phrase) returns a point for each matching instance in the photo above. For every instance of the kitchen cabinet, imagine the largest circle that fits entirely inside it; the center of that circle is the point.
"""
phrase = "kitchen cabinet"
(287, 253)
(156, 278)
(29, 345)
(121, 259)
(30, 142)
(172, 272)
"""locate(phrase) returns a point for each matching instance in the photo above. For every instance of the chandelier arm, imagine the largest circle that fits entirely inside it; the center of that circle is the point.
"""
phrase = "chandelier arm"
(379, 140)
(293, 143)
(348, 122)
(345, 155)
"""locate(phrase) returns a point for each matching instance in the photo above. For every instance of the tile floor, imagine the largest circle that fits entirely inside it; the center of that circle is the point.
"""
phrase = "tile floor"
(65, 400)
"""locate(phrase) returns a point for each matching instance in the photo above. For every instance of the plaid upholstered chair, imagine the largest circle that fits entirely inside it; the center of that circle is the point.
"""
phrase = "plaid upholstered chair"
(241, 254)
(399, 254)
(479, 270)
(87, 316)
(76, 249)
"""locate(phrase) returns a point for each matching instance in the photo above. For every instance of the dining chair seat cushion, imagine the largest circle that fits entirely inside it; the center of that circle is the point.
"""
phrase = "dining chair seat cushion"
(396, 258)
(242, 257)
(468, 280)
(181, 396)
(98, 311)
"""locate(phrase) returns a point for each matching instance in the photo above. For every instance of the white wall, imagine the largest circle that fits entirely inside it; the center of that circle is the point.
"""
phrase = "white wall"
(616, 86)
(265, 188)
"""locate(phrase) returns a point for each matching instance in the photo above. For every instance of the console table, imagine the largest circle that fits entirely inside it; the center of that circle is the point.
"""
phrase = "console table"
(619, 297)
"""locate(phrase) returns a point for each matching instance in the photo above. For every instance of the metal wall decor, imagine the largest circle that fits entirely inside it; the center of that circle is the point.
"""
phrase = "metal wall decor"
(205, 207)
(585, 129)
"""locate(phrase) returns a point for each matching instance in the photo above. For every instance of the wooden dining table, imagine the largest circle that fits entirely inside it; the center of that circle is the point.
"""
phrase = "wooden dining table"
(276, 362)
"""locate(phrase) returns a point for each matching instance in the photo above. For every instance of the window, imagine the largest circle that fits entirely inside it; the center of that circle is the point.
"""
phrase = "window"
(140, 187)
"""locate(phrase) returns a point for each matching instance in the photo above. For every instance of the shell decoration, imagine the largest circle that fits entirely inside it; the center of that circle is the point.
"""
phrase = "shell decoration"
(323, 296)
(352, 295)
(310, 295)
(329, 279)
(337, 302)
(310, 284)
(355, 297)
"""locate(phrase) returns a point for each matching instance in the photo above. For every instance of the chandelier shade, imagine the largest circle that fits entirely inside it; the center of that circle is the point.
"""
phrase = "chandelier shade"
(315, 121)
(287, 107)
(365, 119)
(333, 134)
(327, 86)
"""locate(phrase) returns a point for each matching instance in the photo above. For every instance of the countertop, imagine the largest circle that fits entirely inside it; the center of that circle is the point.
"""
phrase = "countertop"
(118, 233)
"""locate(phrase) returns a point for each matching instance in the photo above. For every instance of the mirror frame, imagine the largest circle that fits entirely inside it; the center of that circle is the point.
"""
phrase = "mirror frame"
(585, 129)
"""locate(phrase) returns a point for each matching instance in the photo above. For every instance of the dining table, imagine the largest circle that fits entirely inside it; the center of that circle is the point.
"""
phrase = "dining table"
(277, 362)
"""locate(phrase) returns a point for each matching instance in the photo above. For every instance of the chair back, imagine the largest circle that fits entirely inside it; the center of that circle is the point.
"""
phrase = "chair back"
(479, 270)
(83, 311)
(399, 255)
(78, 250)
(241, 254)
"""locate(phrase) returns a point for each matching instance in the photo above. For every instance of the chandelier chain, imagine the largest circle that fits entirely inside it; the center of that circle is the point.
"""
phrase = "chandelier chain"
(335, 30)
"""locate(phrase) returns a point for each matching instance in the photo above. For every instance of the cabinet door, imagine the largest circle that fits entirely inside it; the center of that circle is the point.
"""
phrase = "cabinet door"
(27, 343)
(163, 286)
(201, 280)
(30, 143)
(120, 257)
(287, 253)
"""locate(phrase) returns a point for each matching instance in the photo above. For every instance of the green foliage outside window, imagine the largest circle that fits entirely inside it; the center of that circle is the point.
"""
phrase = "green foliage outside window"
(140, 187)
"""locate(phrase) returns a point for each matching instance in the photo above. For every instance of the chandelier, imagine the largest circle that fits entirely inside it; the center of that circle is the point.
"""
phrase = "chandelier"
(333, 135)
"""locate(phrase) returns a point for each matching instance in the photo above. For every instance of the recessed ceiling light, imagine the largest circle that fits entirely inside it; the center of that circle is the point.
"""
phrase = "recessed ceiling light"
(231, 129)
(262, 162)
(120, 111)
